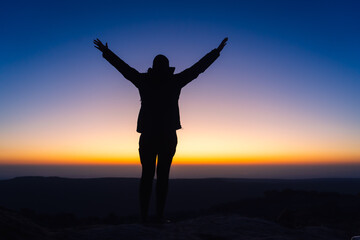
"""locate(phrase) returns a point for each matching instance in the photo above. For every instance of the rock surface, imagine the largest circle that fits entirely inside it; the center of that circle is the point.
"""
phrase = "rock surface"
(215, 227)
(14, 226)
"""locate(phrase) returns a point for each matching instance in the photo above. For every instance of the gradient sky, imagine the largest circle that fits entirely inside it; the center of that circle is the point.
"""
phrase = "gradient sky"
(284, 90)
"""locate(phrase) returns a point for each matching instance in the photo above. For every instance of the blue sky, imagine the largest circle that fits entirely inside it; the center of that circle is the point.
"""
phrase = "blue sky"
(288, 79)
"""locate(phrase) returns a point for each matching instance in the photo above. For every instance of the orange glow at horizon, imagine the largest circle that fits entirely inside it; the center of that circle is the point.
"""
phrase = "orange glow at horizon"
(258, 132)
(182, 159)
(196, 145)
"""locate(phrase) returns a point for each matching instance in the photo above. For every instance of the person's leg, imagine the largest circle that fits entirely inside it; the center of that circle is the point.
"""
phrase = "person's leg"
(166, 153)
(148, 162)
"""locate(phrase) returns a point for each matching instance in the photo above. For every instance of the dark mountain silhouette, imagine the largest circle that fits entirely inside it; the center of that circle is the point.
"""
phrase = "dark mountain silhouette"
(103, 196)
(60, 208)
(296, 209)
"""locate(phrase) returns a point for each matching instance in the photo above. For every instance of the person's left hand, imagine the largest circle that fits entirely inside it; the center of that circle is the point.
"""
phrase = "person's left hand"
(99, 45)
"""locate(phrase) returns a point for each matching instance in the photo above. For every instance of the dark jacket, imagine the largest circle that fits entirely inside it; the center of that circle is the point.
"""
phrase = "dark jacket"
(160, 91)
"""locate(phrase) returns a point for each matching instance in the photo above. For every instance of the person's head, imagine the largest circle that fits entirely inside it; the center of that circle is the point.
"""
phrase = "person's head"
(160, 62)
(161, 66)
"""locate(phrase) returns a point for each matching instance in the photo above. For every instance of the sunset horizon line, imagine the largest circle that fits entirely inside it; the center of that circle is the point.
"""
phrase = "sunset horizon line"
(187, 161)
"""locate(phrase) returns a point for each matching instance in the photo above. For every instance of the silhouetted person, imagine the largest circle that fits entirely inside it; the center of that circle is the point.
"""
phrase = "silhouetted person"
(159, 117)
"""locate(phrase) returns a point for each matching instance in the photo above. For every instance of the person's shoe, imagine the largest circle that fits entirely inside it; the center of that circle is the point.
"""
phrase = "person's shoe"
(144, 220)
(163, 221)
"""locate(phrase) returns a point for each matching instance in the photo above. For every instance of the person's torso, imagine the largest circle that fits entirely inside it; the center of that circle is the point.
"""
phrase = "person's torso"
(159, 103)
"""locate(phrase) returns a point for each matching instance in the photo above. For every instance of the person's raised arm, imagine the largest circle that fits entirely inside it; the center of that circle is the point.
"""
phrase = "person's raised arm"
(193, 72)
(128, 72)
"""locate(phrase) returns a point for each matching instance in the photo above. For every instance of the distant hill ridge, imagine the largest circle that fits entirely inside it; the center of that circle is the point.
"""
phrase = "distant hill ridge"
(103, 196)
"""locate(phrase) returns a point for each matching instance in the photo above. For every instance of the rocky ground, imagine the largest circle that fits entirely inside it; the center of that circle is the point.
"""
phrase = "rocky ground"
(208, 228)
(214, 227)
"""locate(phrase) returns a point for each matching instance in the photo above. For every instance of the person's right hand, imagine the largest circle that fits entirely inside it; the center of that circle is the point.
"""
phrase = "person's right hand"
(99, 45)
